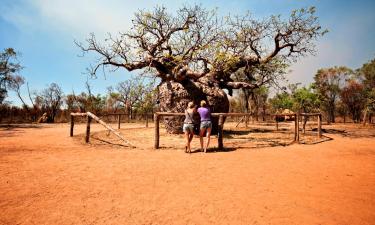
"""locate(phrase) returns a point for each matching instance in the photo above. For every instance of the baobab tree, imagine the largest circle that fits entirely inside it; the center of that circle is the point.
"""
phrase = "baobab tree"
(195, 52)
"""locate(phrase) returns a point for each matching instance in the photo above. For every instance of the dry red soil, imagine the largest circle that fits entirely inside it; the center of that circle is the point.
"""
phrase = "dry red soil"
(47, 177)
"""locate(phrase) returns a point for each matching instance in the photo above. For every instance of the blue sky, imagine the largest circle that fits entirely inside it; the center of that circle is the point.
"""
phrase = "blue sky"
(44, 31)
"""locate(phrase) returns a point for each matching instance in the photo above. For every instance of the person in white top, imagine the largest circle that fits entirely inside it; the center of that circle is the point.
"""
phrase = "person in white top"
(188, 127)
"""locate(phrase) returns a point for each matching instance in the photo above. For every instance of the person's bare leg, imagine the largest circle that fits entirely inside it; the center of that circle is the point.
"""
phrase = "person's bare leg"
(191, 135)
(201, 133)
(187, 139)
(208, 138)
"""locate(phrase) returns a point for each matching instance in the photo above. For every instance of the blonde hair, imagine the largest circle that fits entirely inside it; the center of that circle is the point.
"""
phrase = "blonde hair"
(203, 103)
(191, 105)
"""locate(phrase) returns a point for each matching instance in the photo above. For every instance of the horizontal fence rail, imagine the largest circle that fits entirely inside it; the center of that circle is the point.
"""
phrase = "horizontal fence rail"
(221, 116)
(91, 116)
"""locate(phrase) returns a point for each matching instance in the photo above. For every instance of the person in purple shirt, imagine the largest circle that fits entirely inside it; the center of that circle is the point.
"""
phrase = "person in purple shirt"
(206, 124)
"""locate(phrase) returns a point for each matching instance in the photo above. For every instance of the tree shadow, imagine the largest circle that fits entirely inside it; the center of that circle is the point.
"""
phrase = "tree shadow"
(108, 142)
(234, 133)
(357, 133)
(11, 130)
(17, 126)
(322, 139)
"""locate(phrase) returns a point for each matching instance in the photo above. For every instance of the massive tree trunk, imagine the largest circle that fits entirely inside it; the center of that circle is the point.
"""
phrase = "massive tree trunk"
(174, 97)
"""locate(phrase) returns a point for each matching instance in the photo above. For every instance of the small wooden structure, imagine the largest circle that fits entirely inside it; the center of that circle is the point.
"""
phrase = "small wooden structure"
(296, 124)
(91, 116)
(319, 115)
(297, 118)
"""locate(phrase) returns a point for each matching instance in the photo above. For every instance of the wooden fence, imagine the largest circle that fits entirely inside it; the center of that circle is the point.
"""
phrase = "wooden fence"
(221, 116)
(89, 117)
(119, 116)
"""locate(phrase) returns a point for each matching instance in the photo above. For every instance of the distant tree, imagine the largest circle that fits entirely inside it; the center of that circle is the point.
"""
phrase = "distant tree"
(97, 103)
(328, 83)
(195, 52)
(15, 85)
(50, 100)
(134, 94)
(266, 75)
(353, 96)
(70, 101)
(148, 100)
(85, 102)
(112, 104)
(367, 73)
(342, 110)
(259, 99)
(281, 101)
(305, 100)
(35, 110)
(9, 67)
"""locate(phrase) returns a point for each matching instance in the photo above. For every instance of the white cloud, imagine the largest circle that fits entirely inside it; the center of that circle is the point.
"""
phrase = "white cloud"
(78, 17)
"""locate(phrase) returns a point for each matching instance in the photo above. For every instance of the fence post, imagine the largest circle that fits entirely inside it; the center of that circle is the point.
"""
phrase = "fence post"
(146, 120)
(277, 123)
(156, 121)
(220, 132)
(320, 125)
(297, 126)
(71, 125)
(118, 121)
(364, 118)
(88, 129)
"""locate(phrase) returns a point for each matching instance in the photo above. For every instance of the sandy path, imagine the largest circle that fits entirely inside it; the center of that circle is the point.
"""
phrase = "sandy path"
(50, 178)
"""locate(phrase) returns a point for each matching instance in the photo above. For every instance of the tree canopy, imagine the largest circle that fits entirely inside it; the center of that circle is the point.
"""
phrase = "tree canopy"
(196, 43)
(195, 53)
(9, 68)
(328, 83)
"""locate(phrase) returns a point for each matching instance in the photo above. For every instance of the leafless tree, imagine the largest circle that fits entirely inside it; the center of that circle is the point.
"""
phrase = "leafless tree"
(195, 52)
(50, 100)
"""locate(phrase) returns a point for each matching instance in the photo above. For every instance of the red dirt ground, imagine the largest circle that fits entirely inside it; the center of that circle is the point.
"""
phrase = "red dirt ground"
(49, 178)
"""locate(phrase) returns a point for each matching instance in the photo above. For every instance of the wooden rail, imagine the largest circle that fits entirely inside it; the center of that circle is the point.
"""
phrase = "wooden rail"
(221, 124)
(90, 116)
(319, 115)
(119, 115)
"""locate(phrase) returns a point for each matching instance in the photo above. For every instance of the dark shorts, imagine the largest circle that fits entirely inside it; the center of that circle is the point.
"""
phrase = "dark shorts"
(206, 124)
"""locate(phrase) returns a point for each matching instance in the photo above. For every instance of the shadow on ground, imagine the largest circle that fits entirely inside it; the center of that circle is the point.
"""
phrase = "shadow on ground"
(17, 126)
(359, 133)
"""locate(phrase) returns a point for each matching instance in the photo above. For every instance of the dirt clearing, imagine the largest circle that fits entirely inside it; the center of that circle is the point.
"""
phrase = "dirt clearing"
(49, 178)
